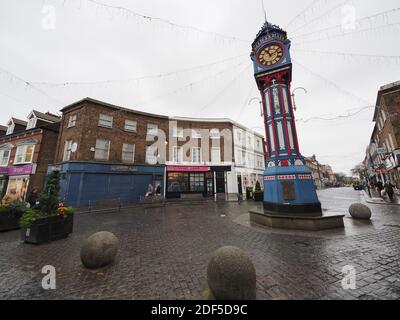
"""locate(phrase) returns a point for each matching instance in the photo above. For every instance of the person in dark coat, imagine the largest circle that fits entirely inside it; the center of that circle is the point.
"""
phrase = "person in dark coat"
(389, 188)
(32, 198)
(379, 187)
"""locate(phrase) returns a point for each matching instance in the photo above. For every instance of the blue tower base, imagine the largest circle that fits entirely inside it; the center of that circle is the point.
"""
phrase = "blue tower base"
(290, 191)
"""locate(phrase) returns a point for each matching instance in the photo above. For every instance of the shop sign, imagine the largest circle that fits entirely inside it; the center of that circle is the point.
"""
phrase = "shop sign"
(17, 170)
(187, 169)
(123, 168)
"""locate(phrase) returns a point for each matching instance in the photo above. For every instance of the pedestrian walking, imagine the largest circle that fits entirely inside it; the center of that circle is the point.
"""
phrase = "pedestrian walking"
(150, 190)
(379, 187)
(369, 189)
(389, 188)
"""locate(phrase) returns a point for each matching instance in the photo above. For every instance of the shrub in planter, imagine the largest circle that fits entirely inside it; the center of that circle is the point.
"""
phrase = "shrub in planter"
(49, 220)
(10, 215)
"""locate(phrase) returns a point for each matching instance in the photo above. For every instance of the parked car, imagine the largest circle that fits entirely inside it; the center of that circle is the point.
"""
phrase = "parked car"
(358, 187)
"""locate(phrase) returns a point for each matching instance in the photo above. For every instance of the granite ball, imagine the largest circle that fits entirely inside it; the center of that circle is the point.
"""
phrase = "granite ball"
(231, 275)
(99, 250)
(360, 211)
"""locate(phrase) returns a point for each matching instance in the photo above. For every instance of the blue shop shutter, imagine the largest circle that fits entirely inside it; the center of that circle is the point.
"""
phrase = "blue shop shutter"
(95, 187)
(140, 185)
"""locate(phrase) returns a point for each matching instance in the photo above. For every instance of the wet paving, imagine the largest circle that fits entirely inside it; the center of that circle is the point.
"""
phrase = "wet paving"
(164, 254)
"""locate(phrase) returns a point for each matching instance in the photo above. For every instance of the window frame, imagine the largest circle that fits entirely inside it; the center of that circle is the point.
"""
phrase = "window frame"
(155, 154)
(108, 151)
(200, 156)
(130, 125)
(219, 153)
(215, 137)
(31, 123)
(2, 157)
(72, 121)
(179, 154)
(126, 152)
(23, 159)
(152, 132)
(100, 124)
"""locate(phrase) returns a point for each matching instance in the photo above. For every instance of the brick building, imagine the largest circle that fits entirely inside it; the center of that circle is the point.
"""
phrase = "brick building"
(323, 175)
(383, 153)
(109, 152)
(26, 150)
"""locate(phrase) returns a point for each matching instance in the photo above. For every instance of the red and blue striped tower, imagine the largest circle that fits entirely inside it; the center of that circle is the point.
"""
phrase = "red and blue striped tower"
(288, 184)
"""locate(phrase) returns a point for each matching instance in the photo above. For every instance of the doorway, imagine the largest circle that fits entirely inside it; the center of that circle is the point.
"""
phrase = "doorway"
(220, 181)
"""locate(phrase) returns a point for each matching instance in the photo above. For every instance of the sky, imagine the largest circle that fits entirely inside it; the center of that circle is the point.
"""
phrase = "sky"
(192, 58)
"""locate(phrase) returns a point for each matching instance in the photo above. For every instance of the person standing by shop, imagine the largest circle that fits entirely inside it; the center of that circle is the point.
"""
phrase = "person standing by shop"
(32, 198)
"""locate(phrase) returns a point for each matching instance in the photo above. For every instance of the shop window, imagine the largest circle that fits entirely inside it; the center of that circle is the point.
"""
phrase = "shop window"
(24, 154)
(4, 157)
(72, 121)
(128, 153)
(177, 182)
(102, 150)
(197, 182)
(17, 188)
(130, 126)
(105, 121)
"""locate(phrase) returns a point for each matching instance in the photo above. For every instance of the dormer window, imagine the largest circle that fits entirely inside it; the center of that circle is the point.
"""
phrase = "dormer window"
(31, 122)
(11, 127)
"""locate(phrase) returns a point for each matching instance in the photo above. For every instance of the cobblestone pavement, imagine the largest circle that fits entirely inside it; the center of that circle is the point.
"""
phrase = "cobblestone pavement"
(164, 254)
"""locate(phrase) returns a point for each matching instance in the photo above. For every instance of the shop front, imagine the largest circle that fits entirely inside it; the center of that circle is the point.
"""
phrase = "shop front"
(14, 181)
(84, 184)
(205, 181)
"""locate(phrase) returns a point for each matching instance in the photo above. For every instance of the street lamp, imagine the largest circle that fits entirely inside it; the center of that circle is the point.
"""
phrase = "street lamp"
(260, 102)
(294, 101)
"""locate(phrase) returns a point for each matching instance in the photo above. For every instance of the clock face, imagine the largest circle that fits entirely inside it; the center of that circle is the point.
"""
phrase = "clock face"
(270, 55)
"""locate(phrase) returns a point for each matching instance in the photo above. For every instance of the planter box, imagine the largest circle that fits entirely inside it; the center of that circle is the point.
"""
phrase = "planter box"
(258, 197)
(9, 222)
(48, 229)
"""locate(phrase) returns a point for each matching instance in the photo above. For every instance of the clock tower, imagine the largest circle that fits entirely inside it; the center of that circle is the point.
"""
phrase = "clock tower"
(289, 188)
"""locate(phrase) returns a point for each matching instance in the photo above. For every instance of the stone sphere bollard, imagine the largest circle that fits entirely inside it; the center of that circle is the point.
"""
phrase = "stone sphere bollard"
(99, 250)
(231, 275)
(360, 211)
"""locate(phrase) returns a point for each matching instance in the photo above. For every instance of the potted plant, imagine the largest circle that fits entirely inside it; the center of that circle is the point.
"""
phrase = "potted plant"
(50, 220)
(258, 194)
(10, 214)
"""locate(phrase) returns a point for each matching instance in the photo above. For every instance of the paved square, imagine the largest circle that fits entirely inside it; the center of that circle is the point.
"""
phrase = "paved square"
(164, 254)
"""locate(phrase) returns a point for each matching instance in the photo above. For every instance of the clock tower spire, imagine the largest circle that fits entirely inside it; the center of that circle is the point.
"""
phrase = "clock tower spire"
(288, 184)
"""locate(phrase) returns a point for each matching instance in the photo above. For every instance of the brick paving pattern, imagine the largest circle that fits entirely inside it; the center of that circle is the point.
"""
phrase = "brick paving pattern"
(164, 254)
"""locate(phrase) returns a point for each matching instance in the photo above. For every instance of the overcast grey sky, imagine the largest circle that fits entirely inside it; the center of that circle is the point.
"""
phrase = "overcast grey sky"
(88, 42)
